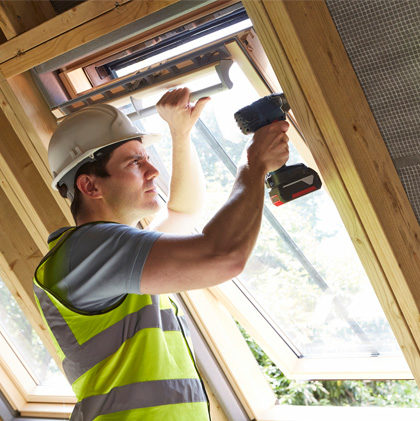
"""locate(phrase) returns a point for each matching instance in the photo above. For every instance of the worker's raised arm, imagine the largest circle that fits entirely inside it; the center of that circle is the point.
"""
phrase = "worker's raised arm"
(187, 186)
(222, 249)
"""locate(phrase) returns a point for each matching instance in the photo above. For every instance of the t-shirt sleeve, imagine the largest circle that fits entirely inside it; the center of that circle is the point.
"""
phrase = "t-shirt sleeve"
(106, 262)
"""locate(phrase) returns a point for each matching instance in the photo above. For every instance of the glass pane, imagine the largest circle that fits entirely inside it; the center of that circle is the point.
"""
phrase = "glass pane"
(390, 393)
(304, 271)
(28, 346)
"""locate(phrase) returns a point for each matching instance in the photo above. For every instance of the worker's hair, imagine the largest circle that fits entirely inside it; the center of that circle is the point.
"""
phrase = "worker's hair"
(96, 167)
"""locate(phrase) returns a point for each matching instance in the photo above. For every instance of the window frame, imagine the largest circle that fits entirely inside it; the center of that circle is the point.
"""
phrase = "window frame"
(345, 140)
(241, 309)
(21, 390)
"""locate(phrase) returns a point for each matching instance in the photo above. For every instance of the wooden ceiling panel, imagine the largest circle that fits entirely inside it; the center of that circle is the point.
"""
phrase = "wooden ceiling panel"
(17, 17)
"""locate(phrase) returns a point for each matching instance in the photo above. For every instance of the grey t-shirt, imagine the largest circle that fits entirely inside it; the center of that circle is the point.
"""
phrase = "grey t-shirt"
(102, 263)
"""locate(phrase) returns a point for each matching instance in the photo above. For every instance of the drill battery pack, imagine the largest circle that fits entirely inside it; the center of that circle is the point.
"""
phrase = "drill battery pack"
(290, 182)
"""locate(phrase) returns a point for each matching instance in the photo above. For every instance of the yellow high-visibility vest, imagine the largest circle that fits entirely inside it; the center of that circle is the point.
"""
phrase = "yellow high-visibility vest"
(131, 362)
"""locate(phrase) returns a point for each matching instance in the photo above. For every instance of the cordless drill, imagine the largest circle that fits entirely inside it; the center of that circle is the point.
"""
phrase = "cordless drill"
(288, 182)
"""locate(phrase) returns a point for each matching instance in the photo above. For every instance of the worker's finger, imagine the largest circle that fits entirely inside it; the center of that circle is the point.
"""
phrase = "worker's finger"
(167, 94)
(171, 97)
(281, 125)
(181, 96)
(283, 138)
(199, 105)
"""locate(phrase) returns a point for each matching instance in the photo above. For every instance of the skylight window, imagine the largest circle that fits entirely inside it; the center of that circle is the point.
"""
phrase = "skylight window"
(304, 276)
(189, 46)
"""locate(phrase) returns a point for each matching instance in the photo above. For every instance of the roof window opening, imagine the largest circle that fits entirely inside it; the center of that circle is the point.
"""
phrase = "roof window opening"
(184, 47)
(304, 281)
(304, 276)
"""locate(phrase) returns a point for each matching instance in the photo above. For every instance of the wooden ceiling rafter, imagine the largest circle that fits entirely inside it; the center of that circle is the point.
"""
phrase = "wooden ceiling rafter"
(17, 17)
(55, 27)
(29, 52)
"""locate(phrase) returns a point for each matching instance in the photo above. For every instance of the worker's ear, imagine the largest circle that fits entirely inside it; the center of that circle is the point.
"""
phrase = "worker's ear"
(89, 186)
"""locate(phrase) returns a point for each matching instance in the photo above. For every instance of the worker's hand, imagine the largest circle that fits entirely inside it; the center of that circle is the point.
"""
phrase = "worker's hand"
(269, 147)
(175, 108)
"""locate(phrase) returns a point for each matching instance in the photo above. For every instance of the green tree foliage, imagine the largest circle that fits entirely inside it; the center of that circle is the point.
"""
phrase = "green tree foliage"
(395, 393)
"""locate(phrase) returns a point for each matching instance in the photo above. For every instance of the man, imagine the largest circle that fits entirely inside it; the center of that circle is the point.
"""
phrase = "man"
(125, 349)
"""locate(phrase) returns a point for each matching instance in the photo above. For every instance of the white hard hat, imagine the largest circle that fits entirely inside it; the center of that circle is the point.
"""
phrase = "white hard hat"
(83, 133)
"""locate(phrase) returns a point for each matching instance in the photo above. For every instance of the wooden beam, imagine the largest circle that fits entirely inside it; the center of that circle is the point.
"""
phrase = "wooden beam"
(3, 38)
(30, 194)
(18, 248)
(35, 53)
(33, 104)
(309, 59)
(25, 151)
(21, 204)
(62, 23)
(17, 17)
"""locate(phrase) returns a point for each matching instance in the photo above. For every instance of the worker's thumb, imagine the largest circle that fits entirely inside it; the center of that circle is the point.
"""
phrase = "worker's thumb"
(199, 105)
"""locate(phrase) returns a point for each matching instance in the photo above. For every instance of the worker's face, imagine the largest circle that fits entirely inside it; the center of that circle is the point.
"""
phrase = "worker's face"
(130, 190)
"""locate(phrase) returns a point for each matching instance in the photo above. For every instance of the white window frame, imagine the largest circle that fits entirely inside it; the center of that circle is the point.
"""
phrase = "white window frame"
(259, 325)
(23, 393)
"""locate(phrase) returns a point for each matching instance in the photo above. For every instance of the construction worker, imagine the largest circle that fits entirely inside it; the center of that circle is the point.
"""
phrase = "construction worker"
(102, 288)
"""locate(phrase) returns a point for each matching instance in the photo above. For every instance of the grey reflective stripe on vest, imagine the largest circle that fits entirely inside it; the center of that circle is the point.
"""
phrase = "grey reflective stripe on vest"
(105, 343)
(140, 395)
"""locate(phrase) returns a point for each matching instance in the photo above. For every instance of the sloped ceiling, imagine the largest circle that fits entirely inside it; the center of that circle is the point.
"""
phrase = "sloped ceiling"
(382, 40)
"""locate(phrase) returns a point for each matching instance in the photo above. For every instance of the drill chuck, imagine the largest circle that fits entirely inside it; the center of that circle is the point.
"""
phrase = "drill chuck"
(262, 112)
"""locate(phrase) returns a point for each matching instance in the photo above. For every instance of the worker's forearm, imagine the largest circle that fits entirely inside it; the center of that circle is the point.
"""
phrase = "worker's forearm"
(220, 252)
(187, 181)
(216, 255)
(234, 229)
